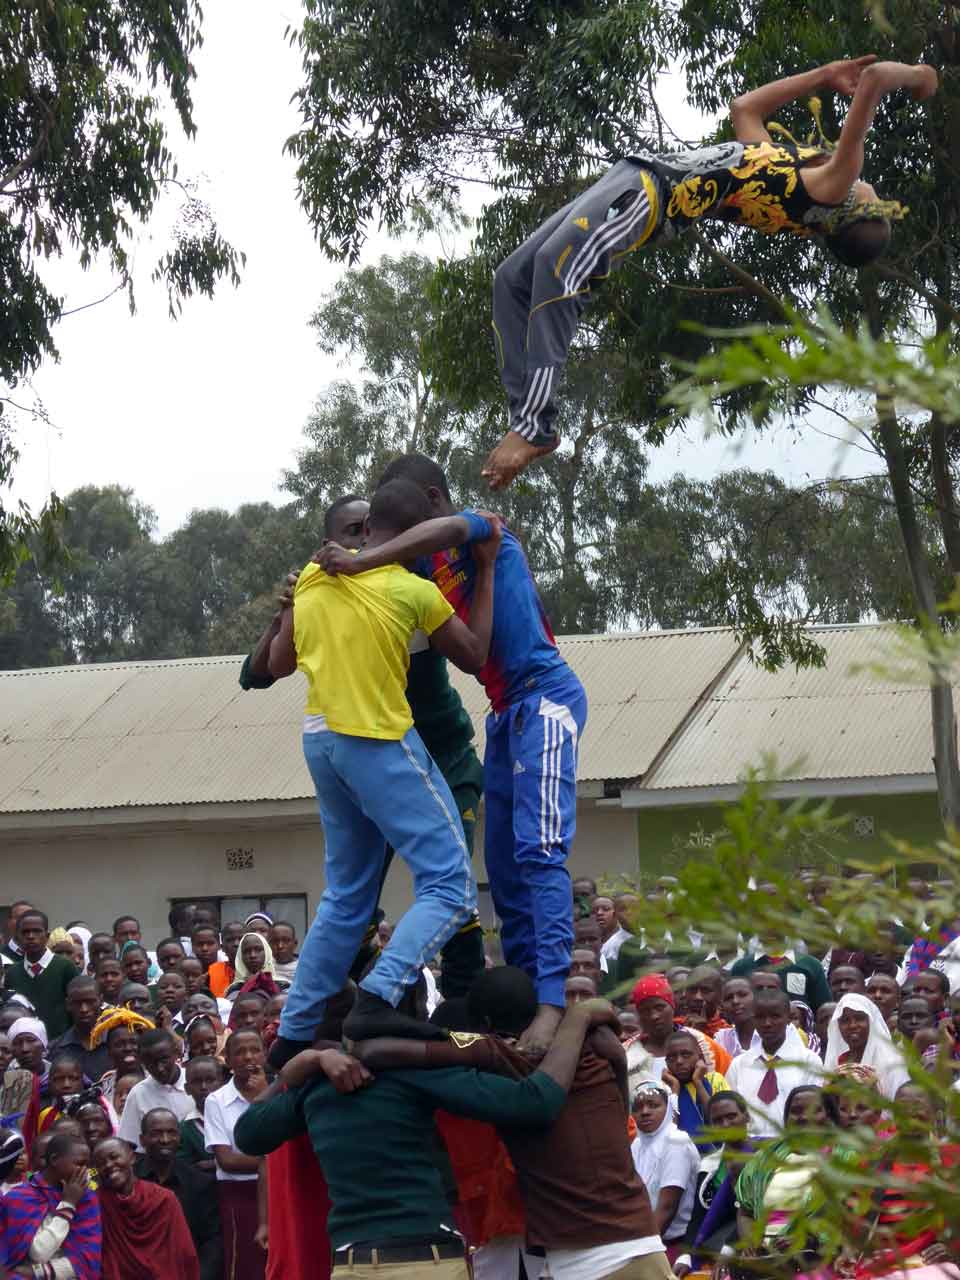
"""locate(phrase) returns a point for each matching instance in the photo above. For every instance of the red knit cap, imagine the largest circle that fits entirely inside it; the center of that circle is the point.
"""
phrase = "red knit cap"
(654, 985)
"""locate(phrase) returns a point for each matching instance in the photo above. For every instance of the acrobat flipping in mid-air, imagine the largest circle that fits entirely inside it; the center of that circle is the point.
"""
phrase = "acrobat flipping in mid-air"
(540, 291)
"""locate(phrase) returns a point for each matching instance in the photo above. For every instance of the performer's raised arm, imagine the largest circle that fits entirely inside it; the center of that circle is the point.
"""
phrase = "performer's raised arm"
(750, 111)
(832, 181)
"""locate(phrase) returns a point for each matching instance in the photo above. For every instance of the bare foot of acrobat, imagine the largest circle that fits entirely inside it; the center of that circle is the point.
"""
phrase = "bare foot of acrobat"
(510, 457)
(538, 1037)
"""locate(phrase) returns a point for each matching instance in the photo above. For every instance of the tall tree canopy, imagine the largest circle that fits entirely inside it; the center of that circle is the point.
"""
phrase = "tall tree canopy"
(535, 101)
(84, 157)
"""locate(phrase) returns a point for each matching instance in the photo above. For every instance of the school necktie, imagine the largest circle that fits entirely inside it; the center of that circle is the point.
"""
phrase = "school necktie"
(36, 970)
(769, 1089)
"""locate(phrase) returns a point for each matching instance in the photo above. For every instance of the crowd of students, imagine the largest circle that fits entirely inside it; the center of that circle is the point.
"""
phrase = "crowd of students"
(145, 1135)
(124, 1071)
(190, 1111)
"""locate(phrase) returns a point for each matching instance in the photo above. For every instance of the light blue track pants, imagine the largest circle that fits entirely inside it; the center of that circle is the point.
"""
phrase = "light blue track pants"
(372, 793)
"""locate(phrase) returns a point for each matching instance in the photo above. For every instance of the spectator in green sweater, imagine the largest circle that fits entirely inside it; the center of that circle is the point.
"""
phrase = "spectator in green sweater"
(801, 977)
(41, 975)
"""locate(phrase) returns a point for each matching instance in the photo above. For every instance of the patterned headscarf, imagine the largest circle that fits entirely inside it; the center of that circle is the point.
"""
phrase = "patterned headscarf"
(807, 1024)
(111, 1018)
(653, 986)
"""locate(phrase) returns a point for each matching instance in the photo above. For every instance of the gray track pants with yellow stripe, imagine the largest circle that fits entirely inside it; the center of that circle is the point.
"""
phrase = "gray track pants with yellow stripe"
(540, 291)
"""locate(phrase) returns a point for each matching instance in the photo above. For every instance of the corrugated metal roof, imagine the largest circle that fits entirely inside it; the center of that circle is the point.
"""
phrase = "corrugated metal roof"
(183, 732)
(820, 723)
(677, 709)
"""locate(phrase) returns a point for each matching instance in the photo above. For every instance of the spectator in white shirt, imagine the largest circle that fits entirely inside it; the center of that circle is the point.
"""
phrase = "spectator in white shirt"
(164, 1085)
(665, 1158)
(612, 936)
(765, 1076)
(737, 1005)
(237, 1173)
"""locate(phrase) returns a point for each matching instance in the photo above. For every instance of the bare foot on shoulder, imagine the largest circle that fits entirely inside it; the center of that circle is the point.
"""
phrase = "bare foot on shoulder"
(538, 1037)
(927, 83)
(510, 457)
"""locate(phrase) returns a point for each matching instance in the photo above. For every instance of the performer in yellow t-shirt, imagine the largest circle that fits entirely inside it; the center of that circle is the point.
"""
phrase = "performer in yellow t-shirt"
(375, 782)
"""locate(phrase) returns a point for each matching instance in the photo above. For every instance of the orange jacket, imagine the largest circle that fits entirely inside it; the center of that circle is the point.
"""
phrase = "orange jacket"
(219, 976)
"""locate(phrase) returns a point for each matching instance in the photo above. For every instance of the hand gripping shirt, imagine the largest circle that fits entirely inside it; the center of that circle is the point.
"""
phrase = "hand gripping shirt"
(352, 635)
(757, 183)
(523, 652)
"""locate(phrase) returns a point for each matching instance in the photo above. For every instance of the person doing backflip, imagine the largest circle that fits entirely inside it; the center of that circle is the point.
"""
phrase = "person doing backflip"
(646, 199)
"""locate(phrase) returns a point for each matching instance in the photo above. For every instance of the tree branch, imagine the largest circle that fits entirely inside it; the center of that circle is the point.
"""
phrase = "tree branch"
(96, 303)
(939, 304)
(689, 288)
(751, 284)
(28, 161)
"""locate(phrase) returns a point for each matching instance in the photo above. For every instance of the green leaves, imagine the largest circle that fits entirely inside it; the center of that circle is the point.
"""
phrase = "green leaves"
(796, 357)
(83, 158)
(762, 875)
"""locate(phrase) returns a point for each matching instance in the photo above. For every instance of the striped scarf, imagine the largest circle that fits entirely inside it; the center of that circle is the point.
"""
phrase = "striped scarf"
(26, 1206)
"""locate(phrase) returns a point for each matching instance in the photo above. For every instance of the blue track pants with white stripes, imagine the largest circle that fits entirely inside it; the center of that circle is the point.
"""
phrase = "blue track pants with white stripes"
(530, 816)
(540, 291)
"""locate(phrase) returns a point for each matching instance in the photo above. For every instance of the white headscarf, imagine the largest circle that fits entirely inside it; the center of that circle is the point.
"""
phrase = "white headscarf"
(80, 933)
(269, 964)
(29, 1027)
(879, 1052)
(648, 1149)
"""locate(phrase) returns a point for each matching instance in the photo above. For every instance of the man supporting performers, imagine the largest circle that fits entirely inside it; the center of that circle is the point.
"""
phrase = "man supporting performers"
(540, 291)
(533, 733)
(441, 721)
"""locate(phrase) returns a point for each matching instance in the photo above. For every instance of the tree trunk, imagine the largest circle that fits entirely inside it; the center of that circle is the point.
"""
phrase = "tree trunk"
(943, 715)
(946, 762)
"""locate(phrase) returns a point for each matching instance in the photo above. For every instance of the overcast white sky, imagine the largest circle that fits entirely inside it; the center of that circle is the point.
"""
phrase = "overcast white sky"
(206, 410)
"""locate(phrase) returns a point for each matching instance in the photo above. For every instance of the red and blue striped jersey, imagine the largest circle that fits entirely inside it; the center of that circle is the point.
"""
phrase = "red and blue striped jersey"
(523, 652)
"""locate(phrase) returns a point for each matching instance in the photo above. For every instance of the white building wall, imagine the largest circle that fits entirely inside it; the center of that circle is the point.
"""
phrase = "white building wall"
(97, 872)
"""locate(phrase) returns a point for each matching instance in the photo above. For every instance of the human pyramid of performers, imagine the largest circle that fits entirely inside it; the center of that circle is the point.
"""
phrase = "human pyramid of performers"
(404, 582)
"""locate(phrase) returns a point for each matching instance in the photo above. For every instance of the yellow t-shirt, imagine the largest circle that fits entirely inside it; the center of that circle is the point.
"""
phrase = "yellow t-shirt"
(351, 635)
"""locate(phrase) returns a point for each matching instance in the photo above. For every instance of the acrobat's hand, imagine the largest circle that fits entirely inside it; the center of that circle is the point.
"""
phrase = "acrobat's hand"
(334, 559)
(843, 76)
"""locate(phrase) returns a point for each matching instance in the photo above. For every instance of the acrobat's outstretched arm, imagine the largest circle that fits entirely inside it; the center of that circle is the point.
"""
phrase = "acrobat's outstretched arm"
(831, 181)
(750, 111)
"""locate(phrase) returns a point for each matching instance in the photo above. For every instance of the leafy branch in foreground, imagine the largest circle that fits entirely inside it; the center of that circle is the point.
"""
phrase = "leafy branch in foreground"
(782, 361)
(743, 883)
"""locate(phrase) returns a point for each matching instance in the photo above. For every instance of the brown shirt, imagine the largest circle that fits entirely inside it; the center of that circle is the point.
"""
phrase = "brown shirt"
(578, 1181)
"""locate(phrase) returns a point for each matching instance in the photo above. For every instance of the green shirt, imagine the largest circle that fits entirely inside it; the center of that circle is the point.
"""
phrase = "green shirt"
(47, 992)
(802, 978)
(374, 1145)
